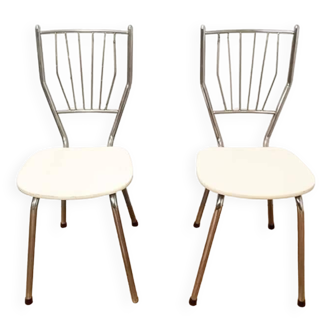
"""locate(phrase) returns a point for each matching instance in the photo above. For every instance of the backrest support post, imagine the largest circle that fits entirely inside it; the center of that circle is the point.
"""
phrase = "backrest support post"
(46, 90)
(205, 92)
(127, 88)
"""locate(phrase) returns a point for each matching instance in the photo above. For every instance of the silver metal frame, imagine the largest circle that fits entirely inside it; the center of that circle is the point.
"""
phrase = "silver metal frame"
(75, 109)
(70, 110)
(275, 115)
(282, 100)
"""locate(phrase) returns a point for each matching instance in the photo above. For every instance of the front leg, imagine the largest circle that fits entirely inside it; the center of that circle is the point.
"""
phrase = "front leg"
(123, 247)
(301, 252)
(31, 253)
(207, 249)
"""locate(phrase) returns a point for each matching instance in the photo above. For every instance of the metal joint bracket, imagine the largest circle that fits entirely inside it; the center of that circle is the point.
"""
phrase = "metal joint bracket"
(220, 202)
(34, 204)
(299, 203)
(114, 202)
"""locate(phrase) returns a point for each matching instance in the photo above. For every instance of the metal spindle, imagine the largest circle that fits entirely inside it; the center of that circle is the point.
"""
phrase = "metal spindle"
(57, 69)
(115, 70)
(293, 55)
(262, 71)
(79, 48)
(252, 67)
(92, 56)
(230, 71)
(240, 69)
(218, 56)
(102, 72)
(71, 74)
(275, 75)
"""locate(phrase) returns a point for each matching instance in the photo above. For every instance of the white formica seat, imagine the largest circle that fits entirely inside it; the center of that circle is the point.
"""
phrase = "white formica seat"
(76, 173)
(258, 173)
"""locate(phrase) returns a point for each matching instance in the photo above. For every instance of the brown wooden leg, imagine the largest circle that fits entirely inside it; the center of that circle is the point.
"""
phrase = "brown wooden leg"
(63, 214)
(270, 213)
(123, 247)
(300, 243)
(130, 208)
(201, 209)
(31, 249)
(207, 248)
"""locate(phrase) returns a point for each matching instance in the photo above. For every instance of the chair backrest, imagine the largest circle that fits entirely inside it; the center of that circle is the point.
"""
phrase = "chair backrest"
(260, 103)
(74, 107)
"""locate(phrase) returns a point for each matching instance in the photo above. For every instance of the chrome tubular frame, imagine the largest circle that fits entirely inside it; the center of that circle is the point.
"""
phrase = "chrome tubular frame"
(256, 110)
(275, 115)
(75, 109)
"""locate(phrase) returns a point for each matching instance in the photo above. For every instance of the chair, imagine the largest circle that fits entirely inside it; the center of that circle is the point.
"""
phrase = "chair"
(80, 173)
(255, 173)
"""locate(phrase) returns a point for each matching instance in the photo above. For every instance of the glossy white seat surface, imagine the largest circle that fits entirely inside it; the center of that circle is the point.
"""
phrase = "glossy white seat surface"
(76, 173)
(257, 173)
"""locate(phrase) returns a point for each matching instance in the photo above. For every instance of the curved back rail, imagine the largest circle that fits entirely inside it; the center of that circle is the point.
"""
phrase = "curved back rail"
(102, 108)
(245, 108)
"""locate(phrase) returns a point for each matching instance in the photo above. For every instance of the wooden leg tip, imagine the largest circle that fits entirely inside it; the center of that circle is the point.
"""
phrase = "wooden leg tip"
(192, 302)
(63, 225)
(135, 223)
(301, 303)
(28, 301)
(271, 227)
(196, 225)
(135, 300)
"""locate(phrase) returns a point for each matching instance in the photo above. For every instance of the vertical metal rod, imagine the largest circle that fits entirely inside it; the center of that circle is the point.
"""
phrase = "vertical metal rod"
(71, 75)
(45, 88)
(102, 72)
(31, 249)
(127, 88)
(252, 67)
(81, 68)
(218, 59)
(92, 56)
(240, 70)
(293, 55)
(115, 70)
(230, 70)
(205, 92)
(57, 69)
(275, 75)
(262, 71)
(300, 229)
(123, 247)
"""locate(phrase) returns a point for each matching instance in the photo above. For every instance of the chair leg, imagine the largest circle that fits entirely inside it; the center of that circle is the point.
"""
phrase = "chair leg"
(123, 247)
(207, 248)
(63, 214)
(130, 208)
(31, 249)
(270, 213)
(197, 222)
(300, 243)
